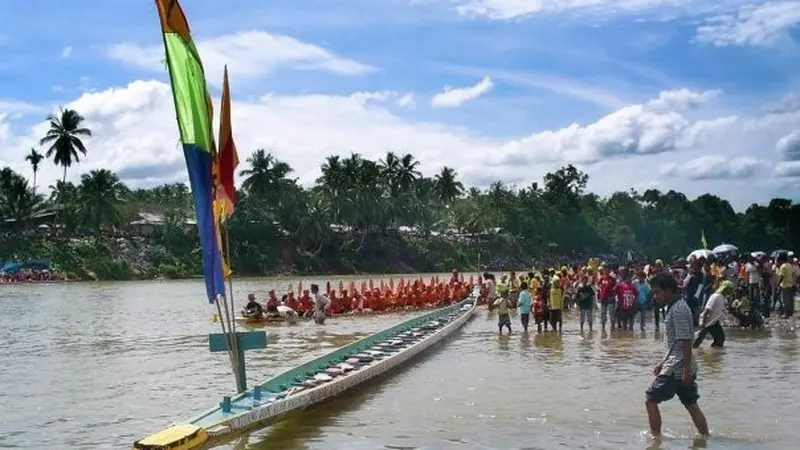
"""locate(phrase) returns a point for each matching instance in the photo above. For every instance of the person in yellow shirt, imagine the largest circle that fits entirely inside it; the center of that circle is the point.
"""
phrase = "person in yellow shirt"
(556, 303)
(787, 280)
(533, 283)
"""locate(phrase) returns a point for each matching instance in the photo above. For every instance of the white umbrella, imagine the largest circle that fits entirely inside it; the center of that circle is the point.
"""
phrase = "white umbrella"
(757, 254)
(725, 248)
(701, 253)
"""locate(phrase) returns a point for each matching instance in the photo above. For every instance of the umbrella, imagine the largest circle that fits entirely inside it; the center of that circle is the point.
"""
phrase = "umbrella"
(725, 248)
(701, 253)
(758, 254)
(777, 253)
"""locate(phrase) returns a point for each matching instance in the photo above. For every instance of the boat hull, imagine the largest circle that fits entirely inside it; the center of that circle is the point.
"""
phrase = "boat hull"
(254, 414)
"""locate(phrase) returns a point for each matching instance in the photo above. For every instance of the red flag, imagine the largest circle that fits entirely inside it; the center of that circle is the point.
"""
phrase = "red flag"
(227, 157)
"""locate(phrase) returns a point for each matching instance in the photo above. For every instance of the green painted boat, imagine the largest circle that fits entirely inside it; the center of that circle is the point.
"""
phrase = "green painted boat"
(314, 382)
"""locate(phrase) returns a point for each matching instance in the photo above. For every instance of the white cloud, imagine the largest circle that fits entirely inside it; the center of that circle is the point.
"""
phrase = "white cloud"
(66, 52)
(407, 101)
(788, 147)
(760, 25)
(136, 135)
(248, 54)
(682, 99)
(788, 169)
(651, 128)
(455, 97)
(510, 9)
(714, 167)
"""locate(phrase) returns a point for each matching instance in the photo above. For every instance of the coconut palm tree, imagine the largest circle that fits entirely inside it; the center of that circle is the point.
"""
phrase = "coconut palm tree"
(407, 172)
(266, 177)
(99, 196)
(64, 138)
(18, 201)
(34, 158)
(446, 187)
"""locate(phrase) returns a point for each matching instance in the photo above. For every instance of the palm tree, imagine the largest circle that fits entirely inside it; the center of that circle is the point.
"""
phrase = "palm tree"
(446, 187)
(266, 176)
(332, 175)
(64, 138)
(34, 158)
(407, 173)
(99, 196)
(18, 201)
(65, 195)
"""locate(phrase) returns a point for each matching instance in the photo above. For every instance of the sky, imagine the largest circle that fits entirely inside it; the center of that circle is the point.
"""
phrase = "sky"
(690, 95)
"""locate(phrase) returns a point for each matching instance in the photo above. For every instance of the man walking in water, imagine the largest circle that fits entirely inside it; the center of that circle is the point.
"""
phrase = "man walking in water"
(321, 305)
(677, 371)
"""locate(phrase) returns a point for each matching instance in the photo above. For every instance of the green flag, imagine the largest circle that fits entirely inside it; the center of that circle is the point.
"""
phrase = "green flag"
(703, 239)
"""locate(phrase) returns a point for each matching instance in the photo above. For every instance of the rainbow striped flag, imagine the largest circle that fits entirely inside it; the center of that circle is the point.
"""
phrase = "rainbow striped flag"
(195, 117)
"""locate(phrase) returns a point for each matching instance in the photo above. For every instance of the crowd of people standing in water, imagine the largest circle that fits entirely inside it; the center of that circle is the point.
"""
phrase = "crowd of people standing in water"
(687, 299)
(748, 288)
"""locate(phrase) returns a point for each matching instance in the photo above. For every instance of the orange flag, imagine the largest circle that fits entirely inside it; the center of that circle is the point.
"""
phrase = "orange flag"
(227, 158)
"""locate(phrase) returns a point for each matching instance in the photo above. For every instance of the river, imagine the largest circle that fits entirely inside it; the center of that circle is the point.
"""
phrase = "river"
(98, 365)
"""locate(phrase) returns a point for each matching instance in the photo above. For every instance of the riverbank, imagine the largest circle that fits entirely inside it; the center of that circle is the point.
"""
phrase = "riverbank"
(123, 257)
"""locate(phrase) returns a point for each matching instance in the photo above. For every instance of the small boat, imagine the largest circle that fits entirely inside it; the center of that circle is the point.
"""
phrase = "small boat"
(263, 320)
(314, 382)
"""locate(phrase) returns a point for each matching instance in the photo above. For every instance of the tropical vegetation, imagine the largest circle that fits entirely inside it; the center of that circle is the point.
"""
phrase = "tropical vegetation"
(363, 215)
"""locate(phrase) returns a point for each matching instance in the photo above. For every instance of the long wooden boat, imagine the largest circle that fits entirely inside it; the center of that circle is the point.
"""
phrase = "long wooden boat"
(315, 381)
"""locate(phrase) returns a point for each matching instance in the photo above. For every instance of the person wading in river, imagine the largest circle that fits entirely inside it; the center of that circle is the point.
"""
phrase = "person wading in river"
(677, 371)
(321, 305)
(712, 313)
(525, 304)
(503, 315)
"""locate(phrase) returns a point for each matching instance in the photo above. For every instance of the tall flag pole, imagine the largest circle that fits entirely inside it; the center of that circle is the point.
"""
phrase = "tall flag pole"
(225, 164)
(194, 113)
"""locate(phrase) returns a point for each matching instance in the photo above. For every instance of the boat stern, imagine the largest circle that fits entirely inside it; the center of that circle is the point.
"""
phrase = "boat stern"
(176, 437)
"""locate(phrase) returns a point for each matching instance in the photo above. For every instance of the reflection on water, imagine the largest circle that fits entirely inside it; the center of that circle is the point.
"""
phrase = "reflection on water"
(94, 366)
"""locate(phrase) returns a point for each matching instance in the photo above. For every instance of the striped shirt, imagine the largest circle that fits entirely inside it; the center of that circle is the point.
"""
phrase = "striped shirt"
(678, 329)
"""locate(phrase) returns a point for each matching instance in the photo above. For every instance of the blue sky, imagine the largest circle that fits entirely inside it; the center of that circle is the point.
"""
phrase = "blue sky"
(565, 81)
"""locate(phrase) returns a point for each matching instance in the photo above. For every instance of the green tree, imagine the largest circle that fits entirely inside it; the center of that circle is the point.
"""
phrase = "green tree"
(34, 158)
(99, 196)
(64, 138)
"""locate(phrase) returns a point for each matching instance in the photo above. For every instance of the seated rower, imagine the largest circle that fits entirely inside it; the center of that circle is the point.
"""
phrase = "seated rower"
(253, 309)
(272, 304)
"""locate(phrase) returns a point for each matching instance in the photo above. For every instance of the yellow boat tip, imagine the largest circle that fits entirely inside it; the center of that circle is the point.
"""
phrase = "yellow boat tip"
(176, 437)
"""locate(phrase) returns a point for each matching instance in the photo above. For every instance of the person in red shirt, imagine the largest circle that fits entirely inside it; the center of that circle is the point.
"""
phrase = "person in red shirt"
(605, 285)
(305, 304)
(291, 301)
(272, 302)
(626, 296)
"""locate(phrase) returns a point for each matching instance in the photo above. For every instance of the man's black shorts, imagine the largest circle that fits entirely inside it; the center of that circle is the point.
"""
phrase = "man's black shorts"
(665, 387)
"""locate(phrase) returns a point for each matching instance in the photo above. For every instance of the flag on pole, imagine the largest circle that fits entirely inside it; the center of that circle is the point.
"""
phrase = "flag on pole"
(703, 239)
(194, 113)
(227, 157)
